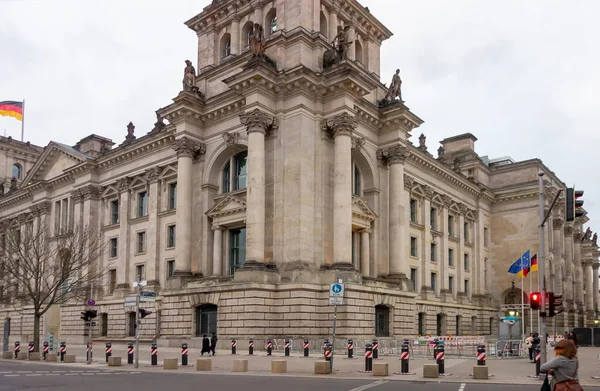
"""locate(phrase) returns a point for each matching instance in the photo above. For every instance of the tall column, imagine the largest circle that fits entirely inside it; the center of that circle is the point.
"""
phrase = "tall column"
(352, 46)
(258, 124)
(557, 225)
(596, 293)
(568, 246)
(341, 127)
(426, 243)
(333, 24)
(395, 157)
(589, 283)
(460, 261)
(578, 268)
(123, 256)
(365, 252)
(258, 15)
(443, 263)
(217, 250)
(153, 230)
(235, 36)
(187, 149)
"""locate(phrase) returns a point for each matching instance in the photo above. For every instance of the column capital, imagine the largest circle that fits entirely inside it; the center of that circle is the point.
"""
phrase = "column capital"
(41, 208)
(394, 154)
(577, 236)
(76, 196)
(187, 147)
(447, 200)
(338, 125)
(568, 230)
(365, 231)
(557, 223)
(595, 266)
(462, 209)
(152, 174)
(429, 192)
(218, 228)
(258, 121)
(90, 192)
(123, 184)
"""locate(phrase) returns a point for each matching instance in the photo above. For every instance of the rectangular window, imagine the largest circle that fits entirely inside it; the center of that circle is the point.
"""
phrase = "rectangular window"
(486, 239)
(57, 217)
(114, 211)
(171, 236)
(141, 242)
(413, 246)
(237, 249)
(142, 204)
(226, 178)
(450, 225)
(170, 268)
(466, 231)
(450, 257)
(382, 321)
(467, 287)
(112, 280)
(433, 252)
(413, 211)
(413, 278)
(172, 196)
(432, 215)
(466, 261)
(450, 284)
(434, 282)
(140, 271)
(113, 247)
(357, 184)
(485, 272)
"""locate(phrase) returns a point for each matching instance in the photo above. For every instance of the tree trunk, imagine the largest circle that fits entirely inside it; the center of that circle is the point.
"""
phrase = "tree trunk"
(36, 332)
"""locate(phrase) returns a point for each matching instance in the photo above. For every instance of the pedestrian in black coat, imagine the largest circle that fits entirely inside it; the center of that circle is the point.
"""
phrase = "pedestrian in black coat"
(213, 343)
(205, 345)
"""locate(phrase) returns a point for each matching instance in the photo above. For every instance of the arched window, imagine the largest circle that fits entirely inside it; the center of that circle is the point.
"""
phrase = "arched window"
(206, 320)
(359, 51)
(225, 45)
(271, 21)
(16, 171)
(382, 321)
(235, 173)
(356, 181)
(324, 25)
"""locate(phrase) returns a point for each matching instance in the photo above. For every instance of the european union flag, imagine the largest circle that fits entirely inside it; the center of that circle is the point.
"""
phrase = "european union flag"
(520, 264)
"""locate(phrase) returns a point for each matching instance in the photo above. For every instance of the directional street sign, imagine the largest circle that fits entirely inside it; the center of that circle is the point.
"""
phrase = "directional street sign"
(148, 297)
(129, 304)
(130, 299)
(336, 293)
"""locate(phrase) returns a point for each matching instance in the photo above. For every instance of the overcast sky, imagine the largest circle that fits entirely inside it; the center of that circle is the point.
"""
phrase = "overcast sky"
(522, 76)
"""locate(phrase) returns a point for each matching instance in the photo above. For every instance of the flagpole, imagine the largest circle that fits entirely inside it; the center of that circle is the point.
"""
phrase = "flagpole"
(23, 122)
(522, 304)
(530, 310)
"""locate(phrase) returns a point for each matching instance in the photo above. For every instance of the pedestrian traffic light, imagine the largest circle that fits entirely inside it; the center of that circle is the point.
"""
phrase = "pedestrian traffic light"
(144, 313)
(573, 204)
(89, 315)
(554, 304)
(534, 300)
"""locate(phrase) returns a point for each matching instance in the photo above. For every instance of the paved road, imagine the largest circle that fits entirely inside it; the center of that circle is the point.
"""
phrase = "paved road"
(20, 376)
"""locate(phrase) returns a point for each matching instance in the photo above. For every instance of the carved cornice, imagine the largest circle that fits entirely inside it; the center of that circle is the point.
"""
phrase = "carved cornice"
(186, 147)
(394, 154)
(258, 121)
(152, 174)
(357, 142)
(231, 138)
(341, 124)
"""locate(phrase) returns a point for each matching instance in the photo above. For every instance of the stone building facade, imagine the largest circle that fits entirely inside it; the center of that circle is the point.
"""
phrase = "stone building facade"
(272, 177)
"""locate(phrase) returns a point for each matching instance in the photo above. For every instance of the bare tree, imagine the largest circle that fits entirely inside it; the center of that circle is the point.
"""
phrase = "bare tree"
(43, 271)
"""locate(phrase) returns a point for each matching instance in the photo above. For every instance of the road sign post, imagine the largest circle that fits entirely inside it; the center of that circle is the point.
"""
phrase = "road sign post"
(336, 296)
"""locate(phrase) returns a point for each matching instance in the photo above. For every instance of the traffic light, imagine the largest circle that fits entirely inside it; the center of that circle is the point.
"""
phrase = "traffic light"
(573, 204)
(554, 304)
(89, 315)
(144, 313)
(534, 300)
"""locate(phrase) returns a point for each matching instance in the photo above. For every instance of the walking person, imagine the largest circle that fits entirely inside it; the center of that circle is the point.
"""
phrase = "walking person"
(205, 345)
(213, 343)
(563, 367)
(529, 344)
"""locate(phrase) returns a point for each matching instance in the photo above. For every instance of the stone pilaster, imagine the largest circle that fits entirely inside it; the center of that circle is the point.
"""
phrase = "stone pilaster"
(460, 261)
(443, 263)
(426, 242)
(578, 269)
(217, 250)
(235, 36)
(589, 283)
(568, 250)
(557, 225)
(395, 157)
(352, 47)
(153, 232)
(596, 292)
(124, 240)
(341, 127)
(258, 124)
(365, 251)
(187, 150)
(333, 24)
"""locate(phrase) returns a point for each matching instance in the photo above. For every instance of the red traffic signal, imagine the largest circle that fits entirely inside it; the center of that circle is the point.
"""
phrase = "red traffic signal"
(534, 300)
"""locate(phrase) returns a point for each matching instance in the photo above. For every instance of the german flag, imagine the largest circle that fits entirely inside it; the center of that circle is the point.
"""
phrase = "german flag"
(10, 108)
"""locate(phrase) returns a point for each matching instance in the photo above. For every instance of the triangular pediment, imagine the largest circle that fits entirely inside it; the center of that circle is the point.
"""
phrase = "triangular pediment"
(361, 209)
(53, 162)
(228, 205)
(168, 171)
(109, 192)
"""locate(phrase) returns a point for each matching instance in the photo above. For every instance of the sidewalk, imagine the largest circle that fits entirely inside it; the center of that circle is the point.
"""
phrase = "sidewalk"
(504, 371)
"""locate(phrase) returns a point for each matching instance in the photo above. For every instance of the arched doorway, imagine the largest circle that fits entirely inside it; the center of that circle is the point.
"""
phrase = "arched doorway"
(206, 319)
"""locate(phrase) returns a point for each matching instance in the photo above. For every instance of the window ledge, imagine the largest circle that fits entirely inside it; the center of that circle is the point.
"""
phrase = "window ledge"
(453, 238)
(139, 219)
(469, 244)
(167, 212)
(111, 226)
(416, 225)
(170, 248)
(140, 253)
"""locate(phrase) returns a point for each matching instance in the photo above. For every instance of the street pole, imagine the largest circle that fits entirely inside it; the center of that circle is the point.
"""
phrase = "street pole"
(333, 339)
(89, 357)
(137, 321)
(542, 269)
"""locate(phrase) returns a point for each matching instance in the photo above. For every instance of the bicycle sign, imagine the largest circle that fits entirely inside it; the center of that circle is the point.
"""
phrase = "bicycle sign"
(336, 293)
